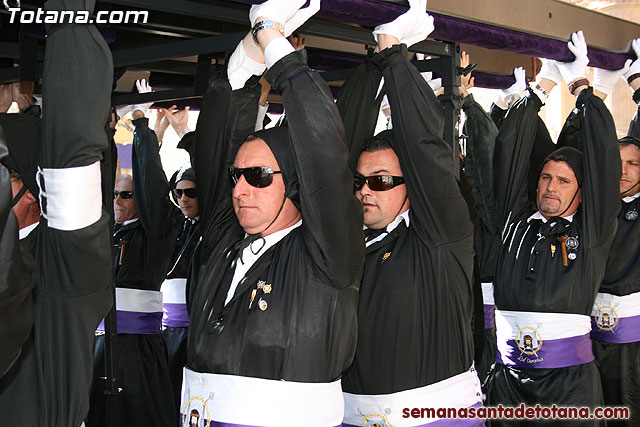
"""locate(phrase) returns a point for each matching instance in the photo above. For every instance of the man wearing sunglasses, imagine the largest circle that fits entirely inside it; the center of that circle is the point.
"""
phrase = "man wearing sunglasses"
(415, 342)
(144, 236)
(273, 311)
(175, 319)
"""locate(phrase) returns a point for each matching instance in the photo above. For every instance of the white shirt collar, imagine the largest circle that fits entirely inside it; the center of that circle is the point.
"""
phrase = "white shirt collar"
(404, 216)
(538, 215)
(630, 199)
(24, 232)
(129, 221)
(251, 253)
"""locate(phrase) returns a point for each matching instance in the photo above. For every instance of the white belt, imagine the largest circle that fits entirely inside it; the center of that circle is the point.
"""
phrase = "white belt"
(138, 300)
(549, 326)
(460, 391)
(487, 294)
(624, 306)
(261, 402)
(174, 291)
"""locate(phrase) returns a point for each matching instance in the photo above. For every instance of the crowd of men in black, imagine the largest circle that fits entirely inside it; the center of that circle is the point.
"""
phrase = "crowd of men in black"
(313, 273)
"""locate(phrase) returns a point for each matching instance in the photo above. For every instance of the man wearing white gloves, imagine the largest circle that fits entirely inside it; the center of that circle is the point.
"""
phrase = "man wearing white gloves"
(415, 344)
(614, 324)
(273, 310)
(553, 255)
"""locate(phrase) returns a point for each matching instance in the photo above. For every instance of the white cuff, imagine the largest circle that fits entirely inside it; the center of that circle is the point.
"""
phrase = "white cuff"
(241, 68)
(262, 111)
(183, 133)
(276, 50)
(500, 102)
(73, 195)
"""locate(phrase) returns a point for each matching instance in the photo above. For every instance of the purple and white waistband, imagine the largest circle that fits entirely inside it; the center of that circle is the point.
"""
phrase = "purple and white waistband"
(542, 340)
(489, 306)
(174, 303)
(460, 391)
(616, 319)
(233, 400)
(138, 311)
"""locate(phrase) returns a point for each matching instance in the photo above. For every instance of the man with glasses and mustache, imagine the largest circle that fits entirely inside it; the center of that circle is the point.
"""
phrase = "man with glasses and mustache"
(553, 253)
(415, 342)
(273, 310)
(617, 344)
(144, 236)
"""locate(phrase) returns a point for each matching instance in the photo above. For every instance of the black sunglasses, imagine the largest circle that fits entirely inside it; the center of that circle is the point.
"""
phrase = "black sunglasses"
(377, 182)
(123, 194)
(258, 176)
(191, 193)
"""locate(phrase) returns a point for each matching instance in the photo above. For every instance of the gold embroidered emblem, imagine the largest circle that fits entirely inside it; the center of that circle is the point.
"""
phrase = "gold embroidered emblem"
(606, 318)
(529, 340)
(376, 420)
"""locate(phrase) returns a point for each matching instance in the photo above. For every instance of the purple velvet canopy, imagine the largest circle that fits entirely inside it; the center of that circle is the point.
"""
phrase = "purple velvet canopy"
(371, 13)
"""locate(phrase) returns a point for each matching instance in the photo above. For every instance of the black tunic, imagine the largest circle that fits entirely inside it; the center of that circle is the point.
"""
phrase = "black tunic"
(308, 332)
(142, 369)
(528, 278)
(415, 309)
(73, 290)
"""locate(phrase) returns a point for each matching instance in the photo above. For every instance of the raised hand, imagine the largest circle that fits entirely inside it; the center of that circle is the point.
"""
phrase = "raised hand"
(409, 28)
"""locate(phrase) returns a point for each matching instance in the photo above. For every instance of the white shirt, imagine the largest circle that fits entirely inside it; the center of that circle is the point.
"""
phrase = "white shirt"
(24, 232)
(404, 216)
(129, 221)
(538, 215)
(630, 199)
(252, 253)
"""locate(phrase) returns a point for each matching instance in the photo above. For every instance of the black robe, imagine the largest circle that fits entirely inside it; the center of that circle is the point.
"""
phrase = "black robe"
(528, 278)
(308, 331)
(415, 309)
(188, 235)
(74, 286)
(142, 367)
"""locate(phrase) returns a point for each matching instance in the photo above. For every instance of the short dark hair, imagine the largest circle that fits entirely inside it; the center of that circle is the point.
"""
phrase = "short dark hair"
(377, 143)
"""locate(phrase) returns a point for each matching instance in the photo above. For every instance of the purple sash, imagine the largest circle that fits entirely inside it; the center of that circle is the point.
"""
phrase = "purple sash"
(559, 353)
(134, 322)
(626, 330)
(175, 315)
(489, 316)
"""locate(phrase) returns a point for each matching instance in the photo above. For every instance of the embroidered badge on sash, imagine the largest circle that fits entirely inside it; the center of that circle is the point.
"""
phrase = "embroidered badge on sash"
(606, 317)
(376, 420)
(529, 340)
(196, 412)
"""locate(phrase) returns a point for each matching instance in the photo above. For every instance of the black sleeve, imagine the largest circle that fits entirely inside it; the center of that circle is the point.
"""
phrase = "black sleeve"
(332, 217)
(439, 213)
(481, 134)
(150, 185)
(497, 115)
(634, 127)
(359, 107)
(602, 170)
(512, 152)
(226, 118)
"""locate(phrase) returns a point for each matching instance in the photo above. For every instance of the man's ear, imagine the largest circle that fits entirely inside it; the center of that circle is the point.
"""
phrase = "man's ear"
(29, 198)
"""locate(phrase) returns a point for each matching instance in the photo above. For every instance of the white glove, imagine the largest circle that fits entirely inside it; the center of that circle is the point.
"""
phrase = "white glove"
(143, 87)
(549, 71)
(572, 71)
(605, 80)
(513, 92)
(286, 12)
(411, 27)
(635, 66)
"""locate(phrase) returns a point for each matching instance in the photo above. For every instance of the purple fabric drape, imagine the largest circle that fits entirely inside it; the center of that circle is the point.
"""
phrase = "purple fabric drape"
(371, 13)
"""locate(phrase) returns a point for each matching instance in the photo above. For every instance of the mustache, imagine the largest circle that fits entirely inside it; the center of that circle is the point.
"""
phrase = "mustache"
(552, 196)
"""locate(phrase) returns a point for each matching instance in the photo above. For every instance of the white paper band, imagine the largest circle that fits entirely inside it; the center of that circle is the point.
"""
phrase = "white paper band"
(74, 196)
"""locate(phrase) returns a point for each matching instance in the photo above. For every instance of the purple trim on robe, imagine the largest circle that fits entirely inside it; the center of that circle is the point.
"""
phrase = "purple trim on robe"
(124, 155)
(134, 322)
(560, 353)
(175, 315)
(222, 424)
(489, 316)
(447, 28)
(445, 422)
(627, 330)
